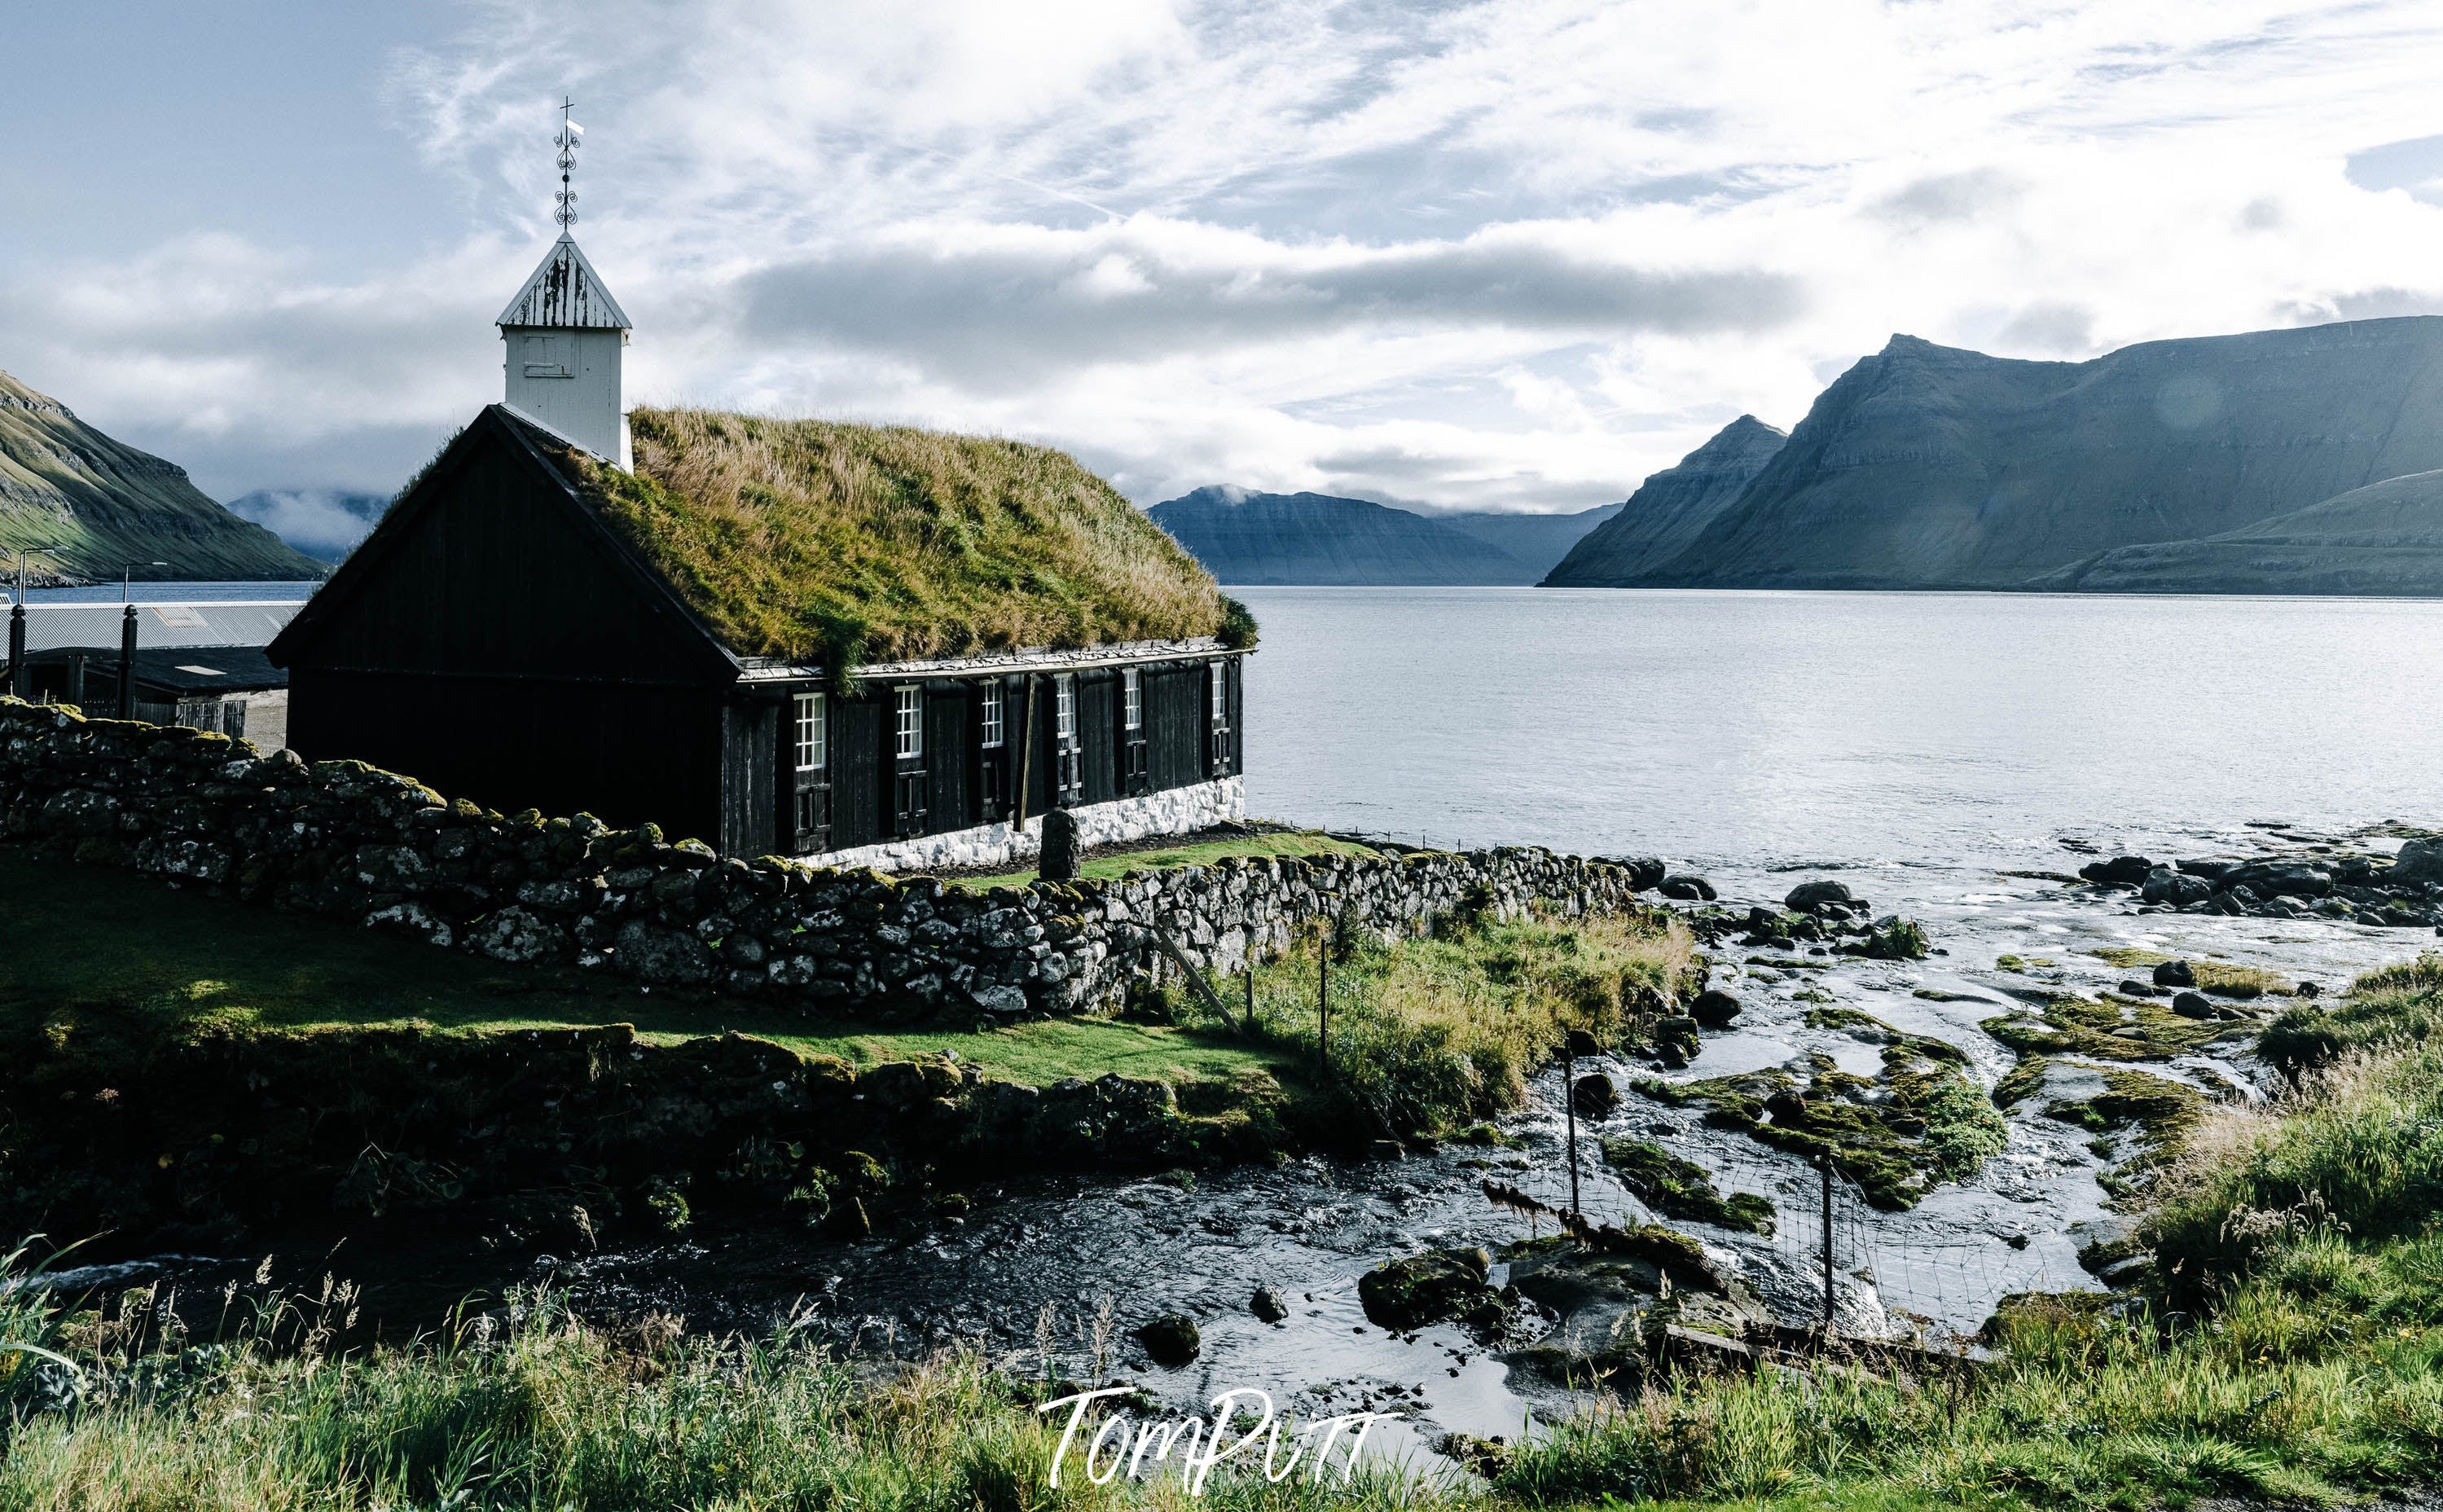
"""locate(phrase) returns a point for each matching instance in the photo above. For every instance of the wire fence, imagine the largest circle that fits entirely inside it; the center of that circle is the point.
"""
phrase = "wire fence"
(1882, 1264)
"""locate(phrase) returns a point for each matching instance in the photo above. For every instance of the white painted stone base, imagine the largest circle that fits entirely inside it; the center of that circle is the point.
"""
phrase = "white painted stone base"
(1173, 811)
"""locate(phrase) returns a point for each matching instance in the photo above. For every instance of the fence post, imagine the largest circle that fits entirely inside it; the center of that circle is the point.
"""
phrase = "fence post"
(1569, 1101)
(1251, 994)
(1825, 1162)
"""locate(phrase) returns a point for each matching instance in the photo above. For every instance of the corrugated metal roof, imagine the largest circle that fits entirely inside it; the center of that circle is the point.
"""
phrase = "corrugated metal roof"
(565, 292)
(182, 669)
(245, 624)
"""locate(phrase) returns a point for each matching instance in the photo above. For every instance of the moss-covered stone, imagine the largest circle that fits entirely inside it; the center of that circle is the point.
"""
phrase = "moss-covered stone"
(1681, 1189)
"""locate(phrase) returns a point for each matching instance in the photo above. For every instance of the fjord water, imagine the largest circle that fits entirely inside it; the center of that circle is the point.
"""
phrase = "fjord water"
(1758, 728)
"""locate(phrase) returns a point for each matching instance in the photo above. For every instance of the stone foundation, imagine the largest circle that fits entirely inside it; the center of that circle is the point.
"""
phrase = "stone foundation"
(1173, 811)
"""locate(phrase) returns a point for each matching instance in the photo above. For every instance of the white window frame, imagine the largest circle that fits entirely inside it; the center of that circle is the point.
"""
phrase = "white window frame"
(908, 713)
(1132, 698)
(1064, 708)
(995, 732)
(1221, 691)
(813, 731)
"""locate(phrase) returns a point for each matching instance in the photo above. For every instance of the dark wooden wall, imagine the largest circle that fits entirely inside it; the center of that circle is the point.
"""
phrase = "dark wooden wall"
(496, 650)
(959, 795)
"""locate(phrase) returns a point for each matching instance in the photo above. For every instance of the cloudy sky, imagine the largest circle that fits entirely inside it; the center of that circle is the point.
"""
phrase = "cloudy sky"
(1505, 254)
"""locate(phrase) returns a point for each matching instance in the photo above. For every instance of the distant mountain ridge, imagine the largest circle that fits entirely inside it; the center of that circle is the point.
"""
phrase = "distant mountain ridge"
(1279, 538)
(2386, 538)
(1931, 466)
(1669, 509)
(89, 508)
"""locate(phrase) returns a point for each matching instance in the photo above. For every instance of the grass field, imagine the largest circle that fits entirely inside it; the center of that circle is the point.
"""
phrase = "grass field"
(1119, 863)
(82, 935)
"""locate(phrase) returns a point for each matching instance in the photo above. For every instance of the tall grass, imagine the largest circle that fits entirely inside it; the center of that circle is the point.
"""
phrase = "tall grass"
(1429, 1032)
(534, 1410)
(848, 543)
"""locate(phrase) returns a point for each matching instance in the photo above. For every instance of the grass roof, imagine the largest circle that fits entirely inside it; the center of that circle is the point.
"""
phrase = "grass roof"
(845, 544)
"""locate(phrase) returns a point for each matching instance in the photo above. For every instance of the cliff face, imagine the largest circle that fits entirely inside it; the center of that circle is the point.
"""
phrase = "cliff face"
(90, 505)
(1538, 541)
(2384, 538)
(1928, 467)
(1263, 538)
(1669, 509)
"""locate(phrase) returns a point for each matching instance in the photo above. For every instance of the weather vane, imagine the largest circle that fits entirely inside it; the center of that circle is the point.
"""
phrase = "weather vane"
(568, 141)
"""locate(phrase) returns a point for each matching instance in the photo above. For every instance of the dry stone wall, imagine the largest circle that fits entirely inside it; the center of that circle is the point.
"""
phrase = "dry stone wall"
(342, 840)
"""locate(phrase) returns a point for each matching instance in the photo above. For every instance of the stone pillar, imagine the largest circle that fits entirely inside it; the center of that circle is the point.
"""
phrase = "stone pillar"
(1060, 859)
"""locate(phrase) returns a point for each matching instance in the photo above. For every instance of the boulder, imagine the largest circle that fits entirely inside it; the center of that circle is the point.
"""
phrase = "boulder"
(1269, 1306)
(2206, 867)
(2419, 862)
(1688, 888)
(1171, 1339)
(2192, 1005)
(1593, 1096)
(2163, 885)
(2120, 871)
(2277, 879)
(1646, 873)
(1440, 1284)
(1714, 1009)
(1057, 860)
(2175, 974)
(1808, 895)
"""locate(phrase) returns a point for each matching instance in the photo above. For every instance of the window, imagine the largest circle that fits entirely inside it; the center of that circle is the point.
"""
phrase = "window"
(993, 735)
(1064, 708)
(912, 723)
(811, 731)
(543, 360)
(1221, 691)
(1131, 699)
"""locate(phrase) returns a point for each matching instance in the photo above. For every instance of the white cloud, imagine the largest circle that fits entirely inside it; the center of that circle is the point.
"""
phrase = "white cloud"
(1508, 253)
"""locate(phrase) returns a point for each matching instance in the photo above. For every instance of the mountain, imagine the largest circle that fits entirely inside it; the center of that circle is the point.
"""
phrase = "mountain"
(89, 507)
(1669, 509)
(2386, 538)
(1538, 541)
(1313, 538)
(1929, 466)
(326, 523)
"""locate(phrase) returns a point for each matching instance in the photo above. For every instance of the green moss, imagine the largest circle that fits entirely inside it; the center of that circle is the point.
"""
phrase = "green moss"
(2130, 957)
(2163, 1112)
(1933, 1126)
(1680, 1188)
(2069, 1024)
(2024, 1080)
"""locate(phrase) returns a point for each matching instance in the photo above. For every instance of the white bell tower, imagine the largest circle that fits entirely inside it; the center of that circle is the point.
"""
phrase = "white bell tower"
(565, 335)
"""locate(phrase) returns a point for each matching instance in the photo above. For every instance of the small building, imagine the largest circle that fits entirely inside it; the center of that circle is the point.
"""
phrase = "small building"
(872, 645)
(230, 690)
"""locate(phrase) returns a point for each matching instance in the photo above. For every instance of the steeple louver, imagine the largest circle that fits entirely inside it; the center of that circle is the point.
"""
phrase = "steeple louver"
(565, 334)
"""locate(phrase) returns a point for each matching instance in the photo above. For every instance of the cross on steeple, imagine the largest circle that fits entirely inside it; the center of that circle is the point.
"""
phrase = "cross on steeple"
(569, 140)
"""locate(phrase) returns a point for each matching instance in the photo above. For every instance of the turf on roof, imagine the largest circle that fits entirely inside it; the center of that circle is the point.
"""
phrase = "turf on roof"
(847, 545)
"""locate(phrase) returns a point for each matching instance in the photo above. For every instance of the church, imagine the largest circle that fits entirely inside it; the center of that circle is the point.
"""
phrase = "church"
(867, 645)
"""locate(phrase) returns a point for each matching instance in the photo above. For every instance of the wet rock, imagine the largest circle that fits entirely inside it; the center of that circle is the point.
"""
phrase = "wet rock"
(1806, 896)
(2135, 988)
(1646, 873)
(2120, 871)
(1171, 1340)
(1435, 1287)
(2278, 879)
(2175, 974)
(2163, 885)
(1714, 1009)
(2192, 1005)
(1615, 1310)
(1893, 938)
(2205, 867)
(1269, 1306)
(2419, 862)
(1593, 1096)
(1688, 888)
